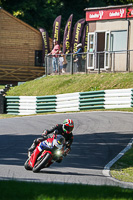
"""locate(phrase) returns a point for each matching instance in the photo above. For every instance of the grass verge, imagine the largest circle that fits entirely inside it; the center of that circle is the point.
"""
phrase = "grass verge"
(2, 86)
(13, 190)
(53, 85)
(123, 168)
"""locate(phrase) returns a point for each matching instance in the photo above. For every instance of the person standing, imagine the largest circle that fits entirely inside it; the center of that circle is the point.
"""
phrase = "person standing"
(63, 62)
(79, 57)
(60, 61)
(54, 53)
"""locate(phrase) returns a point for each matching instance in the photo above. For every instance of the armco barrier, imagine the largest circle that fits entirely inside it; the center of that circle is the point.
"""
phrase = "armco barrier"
(91, 100)
(104, 99)
(67, 102)
(118, 98)
(46, 104)
(21, 105)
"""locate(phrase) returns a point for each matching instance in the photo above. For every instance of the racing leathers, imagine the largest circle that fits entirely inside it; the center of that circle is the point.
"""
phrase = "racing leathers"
(49, 133)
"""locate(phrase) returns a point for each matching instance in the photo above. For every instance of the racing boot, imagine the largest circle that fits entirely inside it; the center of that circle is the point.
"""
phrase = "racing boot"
(59, 160)
(33, 146)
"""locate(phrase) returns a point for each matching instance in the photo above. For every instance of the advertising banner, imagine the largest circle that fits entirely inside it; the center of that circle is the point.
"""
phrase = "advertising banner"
(130, 12)
(45, 41)
(67, 35)
(106, 14)
(77, 32)
(85, 37)
(56, 29)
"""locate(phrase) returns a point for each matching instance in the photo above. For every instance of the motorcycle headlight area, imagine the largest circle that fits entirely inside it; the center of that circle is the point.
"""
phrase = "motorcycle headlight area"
(58, 153)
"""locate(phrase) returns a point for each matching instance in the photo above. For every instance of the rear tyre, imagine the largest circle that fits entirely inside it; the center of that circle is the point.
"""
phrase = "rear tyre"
(41, 163)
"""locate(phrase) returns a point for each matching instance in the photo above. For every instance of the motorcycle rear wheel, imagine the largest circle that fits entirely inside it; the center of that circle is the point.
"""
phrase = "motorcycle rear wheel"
(41, 163)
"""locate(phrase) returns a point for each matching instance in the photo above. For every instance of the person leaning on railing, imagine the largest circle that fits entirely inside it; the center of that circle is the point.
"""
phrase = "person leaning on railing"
(54, 53)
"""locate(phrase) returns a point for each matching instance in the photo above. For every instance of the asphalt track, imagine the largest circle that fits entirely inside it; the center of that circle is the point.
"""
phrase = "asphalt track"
(98, 138)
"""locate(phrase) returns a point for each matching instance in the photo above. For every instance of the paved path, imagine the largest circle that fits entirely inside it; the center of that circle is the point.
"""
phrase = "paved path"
(98, 138)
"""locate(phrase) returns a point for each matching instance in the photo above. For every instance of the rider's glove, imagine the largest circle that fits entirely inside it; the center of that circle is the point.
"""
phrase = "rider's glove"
(68, 144)
(56, 131)
(67, 150)
(44, 133)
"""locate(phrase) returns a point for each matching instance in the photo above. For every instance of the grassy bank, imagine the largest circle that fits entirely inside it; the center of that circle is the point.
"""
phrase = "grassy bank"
(52, 85)
(123, 168)
(2, 87)
(11, 190)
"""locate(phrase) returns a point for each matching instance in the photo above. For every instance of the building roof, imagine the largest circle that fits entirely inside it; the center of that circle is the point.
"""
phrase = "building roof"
(20, 21)
(108, 7)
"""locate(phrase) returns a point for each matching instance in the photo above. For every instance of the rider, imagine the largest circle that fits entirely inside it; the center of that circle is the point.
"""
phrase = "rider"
(64, 129)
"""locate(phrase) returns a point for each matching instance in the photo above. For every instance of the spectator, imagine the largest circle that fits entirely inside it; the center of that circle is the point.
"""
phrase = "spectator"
(79, 57)
(54, 54)
(63, 62)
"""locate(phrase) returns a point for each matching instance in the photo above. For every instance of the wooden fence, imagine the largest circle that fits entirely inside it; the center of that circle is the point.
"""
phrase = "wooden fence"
(13, 73)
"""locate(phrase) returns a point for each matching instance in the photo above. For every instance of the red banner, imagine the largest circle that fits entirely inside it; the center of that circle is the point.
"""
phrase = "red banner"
(106, 14)
(130, 12)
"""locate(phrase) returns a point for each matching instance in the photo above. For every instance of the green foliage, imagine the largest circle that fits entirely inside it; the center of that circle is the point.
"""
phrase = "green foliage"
(2, 86)
(12, 190)
(42, 13)
(123, 168)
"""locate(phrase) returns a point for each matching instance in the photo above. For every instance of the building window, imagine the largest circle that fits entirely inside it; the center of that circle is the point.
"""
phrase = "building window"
(38, 58)
(118, 40)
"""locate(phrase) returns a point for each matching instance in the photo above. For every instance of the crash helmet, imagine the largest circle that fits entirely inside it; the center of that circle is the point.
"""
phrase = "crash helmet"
(68, 126)
(59, 141)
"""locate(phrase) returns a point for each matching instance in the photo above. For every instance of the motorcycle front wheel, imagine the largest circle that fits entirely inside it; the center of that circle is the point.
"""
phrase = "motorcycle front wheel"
(27, 166)
(42, 162)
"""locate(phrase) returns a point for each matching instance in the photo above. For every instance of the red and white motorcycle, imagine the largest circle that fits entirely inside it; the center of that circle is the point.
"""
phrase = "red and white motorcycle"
(46, 153)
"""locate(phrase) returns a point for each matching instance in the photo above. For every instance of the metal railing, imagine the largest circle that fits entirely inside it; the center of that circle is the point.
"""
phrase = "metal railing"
(72, 66)
(103, 61)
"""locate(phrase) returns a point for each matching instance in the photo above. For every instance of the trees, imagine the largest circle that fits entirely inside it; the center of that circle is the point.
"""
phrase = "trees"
(42, 13)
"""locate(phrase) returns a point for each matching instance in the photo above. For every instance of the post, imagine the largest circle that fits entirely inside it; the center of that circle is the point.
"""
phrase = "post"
(46, 71)
(2, 103)
(127, 62)
(71, 63)
(98, 65)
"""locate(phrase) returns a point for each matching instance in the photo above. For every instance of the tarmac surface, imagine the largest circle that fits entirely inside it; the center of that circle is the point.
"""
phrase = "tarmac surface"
(98, 138)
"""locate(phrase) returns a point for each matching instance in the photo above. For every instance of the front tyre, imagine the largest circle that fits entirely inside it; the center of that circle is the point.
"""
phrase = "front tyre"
(41, 163)
(27, 166)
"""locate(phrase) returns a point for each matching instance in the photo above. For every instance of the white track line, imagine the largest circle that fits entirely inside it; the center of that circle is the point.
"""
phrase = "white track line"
(106, 170)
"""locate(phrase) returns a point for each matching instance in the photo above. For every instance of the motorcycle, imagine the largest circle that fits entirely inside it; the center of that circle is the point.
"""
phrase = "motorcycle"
(46, 153)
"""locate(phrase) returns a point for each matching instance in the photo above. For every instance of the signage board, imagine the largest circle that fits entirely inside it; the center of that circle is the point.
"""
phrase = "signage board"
(116, 13)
